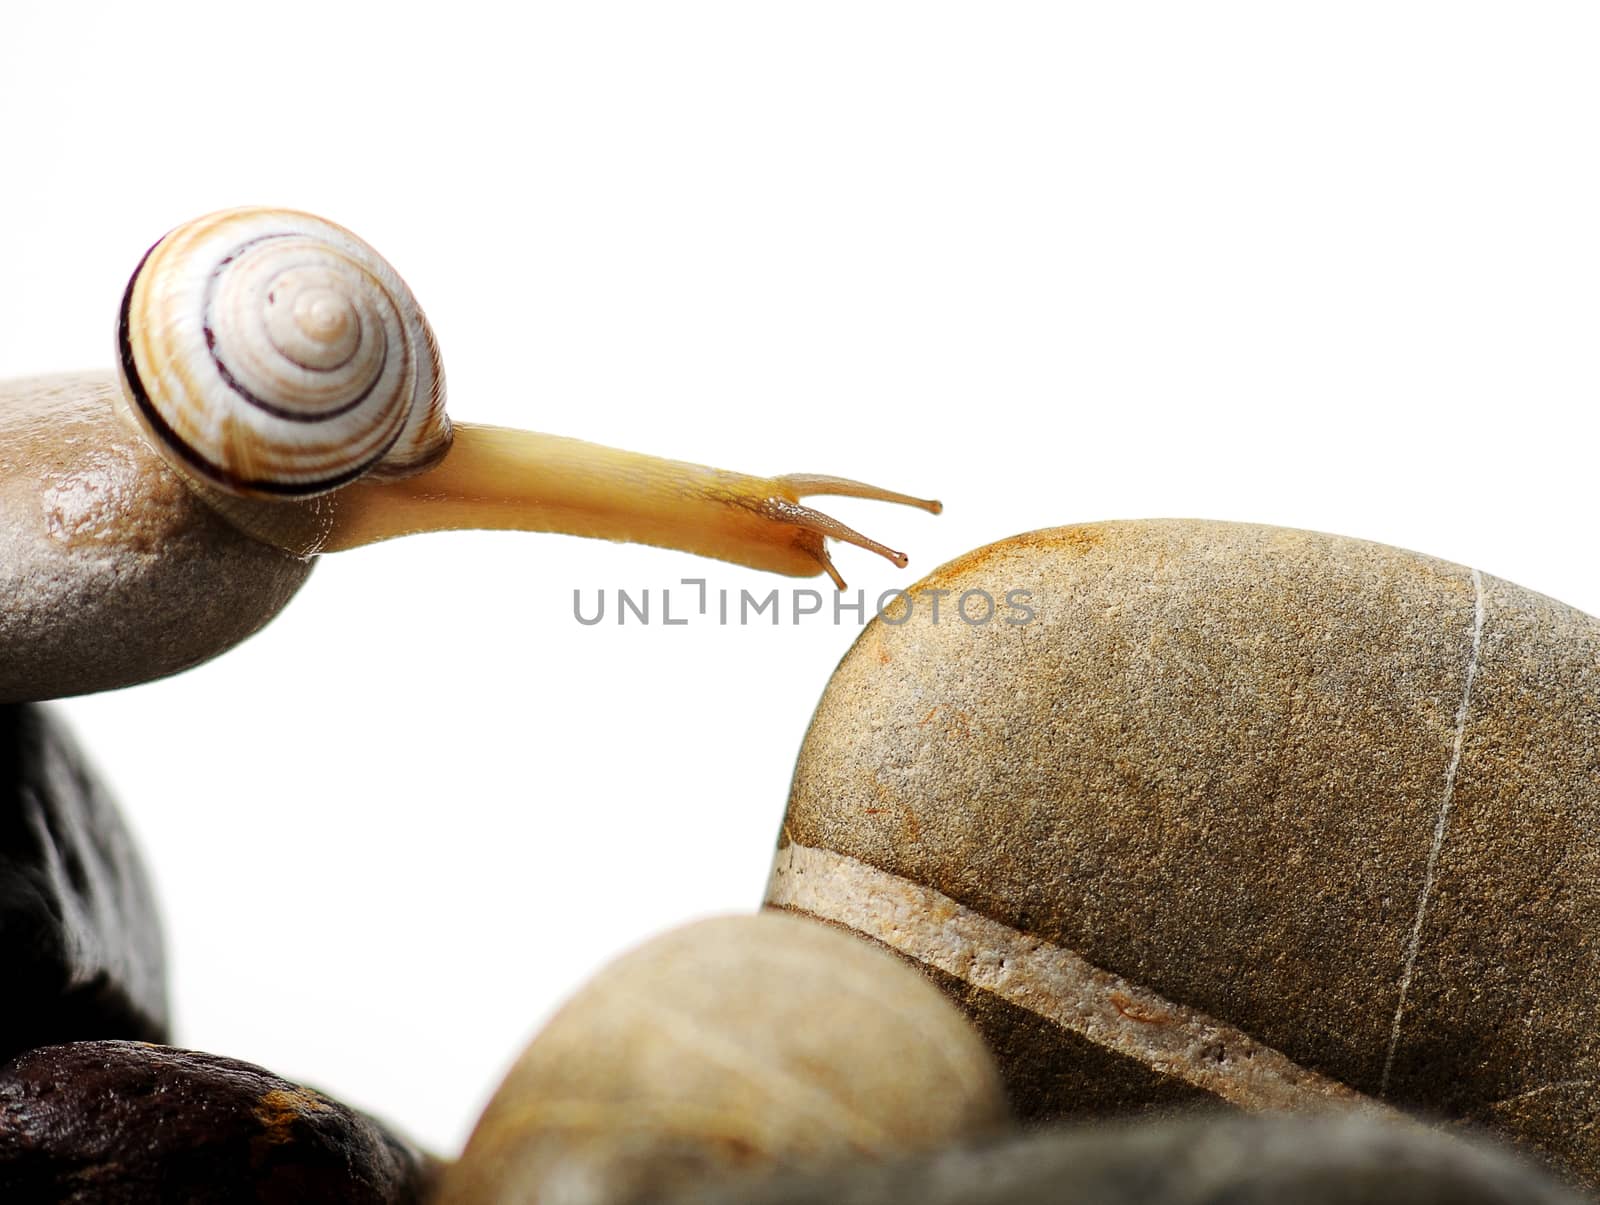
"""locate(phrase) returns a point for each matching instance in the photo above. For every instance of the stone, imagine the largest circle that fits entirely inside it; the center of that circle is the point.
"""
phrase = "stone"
(731, 1044)
(112, 570)
(1215, 811)
(1266, 1160)
(80, 938)
(113, 1122)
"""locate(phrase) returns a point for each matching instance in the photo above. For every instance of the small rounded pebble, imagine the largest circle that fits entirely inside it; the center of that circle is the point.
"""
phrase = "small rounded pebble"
(728, 1045)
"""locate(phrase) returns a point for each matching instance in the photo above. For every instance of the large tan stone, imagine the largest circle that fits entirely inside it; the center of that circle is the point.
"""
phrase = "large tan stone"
(736, 1044)
(1270, 816)
(112, 571)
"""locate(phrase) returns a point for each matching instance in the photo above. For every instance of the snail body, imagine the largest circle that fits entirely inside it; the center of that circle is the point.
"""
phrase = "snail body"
(282, 395)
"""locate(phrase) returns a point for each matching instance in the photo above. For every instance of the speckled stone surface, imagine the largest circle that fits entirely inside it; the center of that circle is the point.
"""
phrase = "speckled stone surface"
(1192, 1161)
(111, 570)
(735, 1043)
(108, 1123)
(1238, 798)
(81, 950)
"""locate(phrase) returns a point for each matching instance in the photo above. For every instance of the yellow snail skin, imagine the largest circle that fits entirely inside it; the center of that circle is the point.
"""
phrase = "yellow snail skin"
(281, 395)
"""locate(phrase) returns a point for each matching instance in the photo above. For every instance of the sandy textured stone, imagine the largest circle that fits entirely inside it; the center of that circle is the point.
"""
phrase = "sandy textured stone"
(1237, 1160)
(81, 950)
(103, 1123)
(111, 570)
(1265, 815)
(732, 1044)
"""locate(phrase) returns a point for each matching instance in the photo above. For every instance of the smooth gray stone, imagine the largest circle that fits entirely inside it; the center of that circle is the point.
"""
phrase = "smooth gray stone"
(81, 952)
(1227, 1159)
(112, 570)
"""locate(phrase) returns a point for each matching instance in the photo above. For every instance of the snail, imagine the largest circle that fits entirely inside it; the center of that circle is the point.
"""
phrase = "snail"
(281, 395)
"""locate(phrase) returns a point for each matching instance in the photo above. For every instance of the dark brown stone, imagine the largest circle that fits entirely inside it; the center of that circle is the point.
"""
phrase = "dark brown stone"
(114, 1122)
(80, 939)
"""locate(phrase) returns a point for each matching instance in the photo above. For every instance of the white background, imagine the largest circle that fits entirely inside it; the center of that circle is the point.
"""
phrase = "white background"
(1331, 266)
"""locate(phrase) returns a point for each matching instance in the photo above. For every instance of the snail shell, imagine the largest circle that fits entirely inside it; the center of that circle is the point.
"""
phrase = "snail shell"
(273, 354)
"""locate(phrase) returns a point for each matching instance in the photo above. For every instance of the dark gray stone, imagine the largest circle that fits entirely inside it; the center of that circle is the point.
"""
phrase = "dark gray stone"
(80, 939)
(1198, 1160)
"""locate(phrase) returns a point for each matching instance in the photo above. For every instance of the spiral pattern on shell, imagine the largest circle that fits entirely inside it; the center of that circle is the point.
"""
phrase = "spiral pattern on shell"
(274, 354)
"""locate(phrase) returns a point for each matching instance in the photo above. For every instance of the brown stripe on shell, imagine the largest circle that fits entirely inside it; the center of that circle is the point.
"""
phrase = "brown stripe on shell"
(428, 434)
